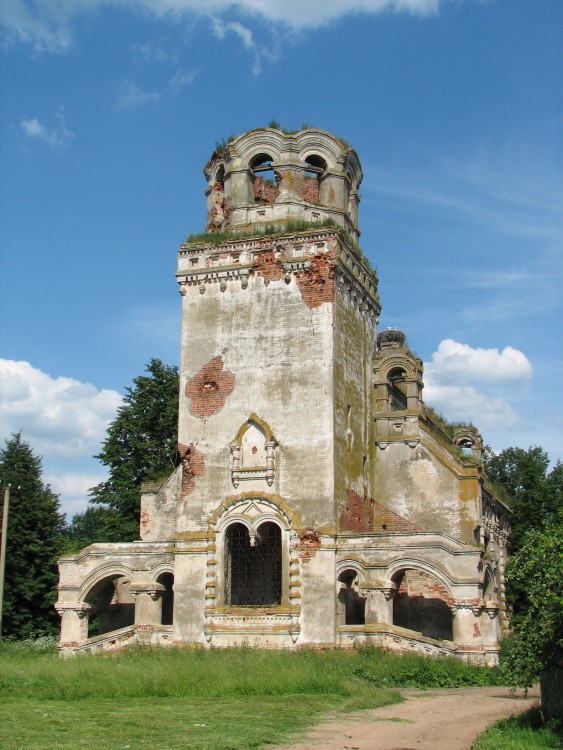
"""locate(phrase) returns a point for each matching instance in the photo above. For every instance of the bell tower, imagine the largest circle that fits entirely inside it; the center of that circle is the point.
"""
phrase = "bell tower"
(265, 177)
(278, 331)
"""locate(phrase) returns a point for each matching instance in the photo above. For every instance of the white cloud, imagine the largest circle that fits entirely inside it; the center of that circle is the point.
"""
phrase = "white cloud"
(132, 96)
(458, 362)
(58, 136)
(181, 78)
(73, 489)
(470, 384)
(220, 29)
(46, 23)
(155, 51)
(467, 404)
(61, 417)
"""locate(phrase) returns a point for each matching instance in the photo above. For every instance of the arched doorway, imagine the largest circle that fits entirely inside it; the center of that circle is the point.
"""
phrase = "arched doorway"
(113, 605)
(421, 604)
(352, 606)
(167, 580)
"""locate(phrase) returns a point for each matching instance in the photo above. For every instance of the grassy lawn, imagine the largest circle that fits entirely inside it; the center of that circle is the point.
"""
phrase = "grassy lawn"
(214, 700)
(173, 698)
(166, 723)
(523, 732)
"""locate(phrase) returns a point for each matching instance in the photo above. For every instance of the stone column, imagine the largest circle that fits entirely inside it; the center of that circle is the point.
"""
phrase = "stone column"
(467, 622)
(379, 601)
(490, 632)
(74, 623)
(148, 602)
(413, 393)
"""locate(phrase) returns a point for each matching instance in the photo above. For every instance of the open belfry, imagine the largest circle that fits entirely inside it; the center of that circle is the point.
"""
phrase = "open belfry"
(317, 501)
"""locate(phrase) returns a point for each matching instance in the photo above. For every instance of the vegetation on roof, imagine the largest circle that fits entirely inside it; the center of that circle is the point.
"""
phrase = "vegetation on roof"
(281, 227)
(443, 431)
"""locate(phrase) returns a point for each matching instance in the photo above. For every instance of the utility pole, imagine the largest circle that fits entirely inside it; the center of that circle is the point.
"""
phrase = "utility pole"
(3, 548)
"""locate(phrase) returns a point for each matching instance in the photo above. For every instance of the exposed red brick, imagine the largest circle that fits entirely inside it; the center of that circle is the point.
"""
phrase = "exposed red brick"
(385, 519)
(309, 543)
(216, 215)
(418, 583)
(357, 514)
(317, 283)
(193, 466)
(476, 630)
(145, 520)
(209, 388)
(365, 514)
(269, 266)
(311, 189)
(265, 191)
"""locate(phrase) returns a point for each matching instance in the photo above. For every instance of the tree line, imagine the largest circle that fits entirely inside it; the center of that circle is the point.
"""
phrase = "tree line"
(141, 446)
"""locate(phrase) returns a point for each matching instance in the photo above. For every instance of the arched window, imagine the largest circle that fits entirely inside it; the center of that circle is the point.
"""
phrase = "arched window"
(167, 580)
(266, 187)
(397, 389)
(315, 168)
(351, 603)
(253, 565)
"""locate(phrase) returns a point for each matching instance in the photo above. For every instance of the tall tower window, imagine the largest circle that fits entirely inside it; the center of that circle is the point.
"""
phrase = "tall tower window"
(253, 565)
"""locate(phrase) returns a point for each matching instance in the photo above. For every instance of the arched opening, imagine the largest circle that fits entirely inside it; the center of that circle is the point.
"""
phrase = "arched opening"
(113, 605)
(316, 167)
(167, 580)
(253, 565)
(397, 389)
(466, 446)
(220, 178)
(421, 604)
(266, 180)
(351, 605)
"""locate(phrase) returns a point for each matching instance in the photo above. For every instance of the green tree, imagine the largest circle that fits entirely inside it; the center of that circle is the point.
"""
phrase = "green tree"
(537, 638)
(141, 446)
(33, 543)
(535, 495)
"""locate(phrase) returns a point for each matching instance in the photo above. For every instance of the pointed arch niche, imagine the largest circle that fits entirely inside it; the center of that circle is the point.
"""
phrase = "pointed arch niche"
(253, 453)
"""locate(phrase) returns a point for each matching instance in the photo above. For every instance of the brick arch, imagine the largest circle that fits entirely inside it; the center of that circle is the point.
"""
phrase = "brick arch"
(100, 574)
(279, 509)
(350, 564)
(422, 602)
(314, 141)
(399, 363)
(422, 565)
(111, 604)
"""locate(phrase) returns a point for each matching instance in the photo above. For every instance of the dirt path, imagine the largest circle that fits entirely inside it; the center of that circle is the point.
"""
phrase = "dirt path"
(426, 720)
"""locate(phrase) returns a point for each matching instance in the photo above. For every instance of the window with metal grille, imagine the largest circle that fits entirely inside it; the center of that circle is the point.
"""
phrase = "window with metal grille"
(253, 572)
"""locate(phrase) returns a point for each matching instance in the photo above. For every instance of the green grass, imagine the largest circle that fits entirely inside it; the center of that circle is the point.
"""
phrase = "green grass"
(173, 698)
(211, 699)
(523, 732)
(387, 669)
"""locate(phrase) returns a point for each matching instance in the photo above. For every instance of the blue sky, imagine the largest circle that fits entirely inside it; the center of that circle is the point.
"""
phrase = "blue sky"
(110, 109)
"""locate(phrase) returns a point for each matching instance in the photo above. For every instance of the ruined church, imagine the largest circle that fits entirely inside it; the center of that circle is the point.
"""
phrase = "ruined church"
(318, 502)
